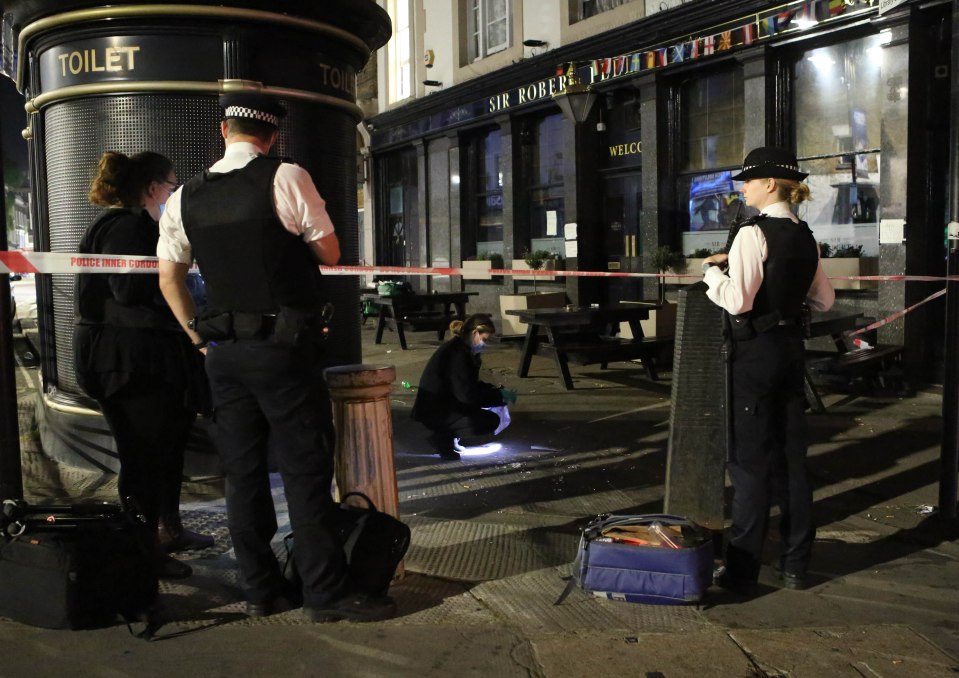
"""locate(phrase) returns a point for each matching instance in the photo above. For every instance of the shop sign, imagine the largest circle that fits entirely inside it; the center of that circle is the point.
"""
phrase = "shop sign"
(131, 58)
(631, 148)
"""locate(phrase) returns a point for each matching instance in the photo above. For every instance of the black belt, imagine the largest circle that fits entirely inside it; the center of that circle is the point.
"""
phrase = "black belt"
(253, 325)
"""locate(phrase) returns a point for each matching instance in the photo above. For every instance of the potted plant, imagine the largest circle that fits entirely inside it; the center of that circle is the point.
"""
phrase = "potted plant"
(663, 259)
(847, 260)
(534, 261)
(478, 267)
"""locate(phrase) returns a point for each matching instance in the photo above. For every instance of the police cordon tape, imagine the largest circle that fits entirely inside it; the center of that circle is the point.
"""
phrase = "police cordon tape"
(16, 261)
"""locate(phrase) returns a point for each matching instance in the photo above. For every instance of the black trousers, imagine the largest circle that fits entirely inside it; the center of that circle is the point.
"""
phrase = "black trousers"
(768, 461)
(151, 425)
(270, 396)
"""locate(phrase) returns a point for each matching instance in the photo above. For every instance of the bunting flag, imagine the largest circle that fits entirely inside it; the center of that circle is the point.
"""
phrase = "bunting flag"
(677, 53)
(619, 65)
(709, 44)
(801, 15)
(807, 13)
(833, 7)
(775, 23)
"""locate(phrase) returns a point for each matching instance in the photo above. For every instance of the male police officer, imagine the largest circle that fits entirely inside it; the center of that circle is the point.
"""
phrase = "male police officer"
(257, 228)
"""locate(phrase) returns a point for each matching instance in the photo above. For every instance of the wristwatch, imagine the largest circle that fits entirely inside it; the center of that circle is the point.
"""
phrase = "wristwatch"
(707, 265)
(191, 323)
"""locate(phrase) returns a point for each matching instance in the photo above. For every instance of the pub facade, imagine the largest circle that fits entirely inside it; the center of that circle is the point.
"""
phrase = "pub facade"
(472, 159)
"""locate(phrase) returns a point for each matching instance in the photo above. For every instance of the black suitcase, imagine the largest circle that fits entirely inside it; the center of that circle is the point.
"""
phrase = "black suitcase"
(74, 566)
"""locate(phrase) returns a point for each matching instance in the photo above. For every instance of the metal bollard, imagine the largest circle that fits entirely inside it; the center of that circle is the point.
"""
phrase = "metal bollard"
(364, 433)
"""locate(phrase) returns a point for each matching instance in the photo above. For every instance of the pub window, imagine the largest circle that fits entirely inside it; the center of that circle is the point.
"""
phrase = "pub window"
(484, 236)
(839, 93)
(711, 148)
(488, 27)
(399, 51)
(584, 9)
(543, 153)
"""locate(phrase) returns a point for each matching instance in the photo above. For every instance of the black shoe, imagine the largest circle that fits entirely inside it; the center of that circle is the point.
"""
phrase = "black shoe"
(724, 580)
(442, 444)
(355, 607)
(793, 582)
(186, 540)
(277, 605)
(168, 567)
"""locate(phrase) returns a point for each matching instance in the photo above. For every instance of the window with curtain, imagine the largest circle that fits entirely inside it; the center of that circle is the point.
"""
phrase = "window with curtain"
(488, 27)
(583, 9)
(838, 93)
(401, 67)
(711, 149)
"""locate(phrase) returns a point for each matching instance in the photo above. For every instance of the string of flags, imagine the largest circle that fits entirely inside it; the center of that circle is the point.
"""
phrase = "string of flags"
(739, 33)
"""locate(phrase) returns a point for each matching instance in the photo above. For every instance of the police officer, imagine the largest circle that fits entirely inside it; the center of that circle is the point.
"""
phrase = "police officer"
(772, 270)
(257, 228)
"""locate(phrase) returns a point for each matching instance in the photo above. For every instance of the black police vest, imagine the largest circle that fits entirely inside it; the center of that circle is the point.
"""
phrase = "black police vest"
(789, 269)
(249, 261)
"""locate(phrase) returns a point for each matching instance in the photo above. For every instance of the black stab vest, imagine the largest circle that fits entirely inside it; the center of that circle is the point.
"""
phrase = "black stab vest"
(788, 272)
(249, 261)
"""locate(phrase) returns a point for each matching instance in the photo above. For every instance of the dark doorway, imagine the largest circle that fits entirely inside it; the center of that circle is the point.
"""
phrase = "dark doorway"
(622, 206)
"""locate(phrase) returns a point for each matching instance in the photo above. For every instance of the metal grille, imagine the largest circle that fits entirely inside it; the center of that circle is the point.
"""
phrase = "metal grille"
(186, 129)
(76, 133)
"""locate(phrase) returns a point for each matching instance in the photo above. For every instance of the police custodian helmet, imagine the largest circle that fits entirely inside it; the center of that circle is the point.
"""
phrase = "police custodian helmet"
(252, 106)
(769, 162)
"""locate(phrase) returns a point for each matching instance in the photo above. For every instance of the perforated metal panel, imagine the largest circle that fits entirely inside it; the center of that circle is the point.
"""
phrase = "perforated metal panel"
(75, 134)
(186, 129)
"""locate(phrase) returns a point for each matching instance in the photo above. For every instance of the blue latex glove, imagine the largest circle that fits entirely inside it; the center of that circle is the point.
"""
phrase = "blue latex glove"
(509, 396)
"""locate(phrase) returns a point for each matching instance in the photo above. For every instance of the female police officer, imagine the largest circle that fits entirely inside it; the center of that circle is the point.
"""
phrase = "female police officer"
(771, 271)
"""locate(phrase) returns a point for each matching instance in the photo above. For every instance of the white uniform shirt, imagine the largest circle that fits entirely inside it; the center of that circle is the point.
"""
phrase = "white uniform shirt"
(735, 290)
(299, 206)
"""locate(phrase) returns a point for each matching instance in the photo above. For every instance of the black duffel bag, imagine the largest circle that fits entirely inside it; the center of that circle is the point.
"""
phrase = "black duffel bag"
(75, 566)
(374, 543)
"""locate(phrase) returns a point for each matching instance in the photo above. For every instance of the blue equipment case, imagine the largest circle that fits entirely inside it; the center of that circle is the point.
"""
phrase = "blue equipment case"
(645, 574)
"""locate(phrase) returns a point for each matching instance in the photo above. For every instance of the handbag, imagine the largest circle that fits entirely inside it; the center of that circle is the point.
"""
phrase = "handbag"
(374, 543)
(655, 558)
(75, 566)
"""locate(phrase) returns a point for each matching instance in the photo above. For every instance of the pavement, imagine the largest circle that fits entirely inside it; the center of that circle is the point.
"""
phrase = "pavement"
(494, 534)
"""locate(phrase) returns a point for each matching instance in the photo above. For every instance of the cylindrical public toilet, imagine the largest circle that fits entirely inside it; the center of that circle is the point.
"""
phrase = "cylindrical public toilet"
(136, 76)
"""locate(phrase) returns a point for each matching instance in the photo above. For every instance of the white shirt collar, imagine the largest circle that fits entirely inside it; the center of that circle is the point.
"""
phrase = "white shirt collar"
(779, 209)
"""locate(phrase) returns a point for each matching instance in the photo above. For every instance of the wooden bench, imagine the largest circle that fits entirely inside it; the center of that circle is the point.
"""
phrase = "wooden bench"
(585, 350)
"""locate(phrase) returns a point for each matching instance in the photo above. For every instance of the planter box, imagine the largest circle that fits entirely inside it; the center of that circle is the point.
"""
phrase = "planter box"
(511, 325)
(478, 270)
(551, 265)
(661, 323)
(860, 266)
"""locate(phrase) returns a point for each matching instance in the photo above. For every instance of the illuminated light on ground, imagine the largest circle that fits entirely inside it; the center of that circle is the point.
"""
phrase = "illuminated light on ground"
(476, 450)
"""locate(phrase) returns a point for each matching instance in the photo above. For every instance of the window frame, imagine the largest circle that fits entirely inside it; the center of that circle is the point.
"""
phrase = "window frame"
(477, 31)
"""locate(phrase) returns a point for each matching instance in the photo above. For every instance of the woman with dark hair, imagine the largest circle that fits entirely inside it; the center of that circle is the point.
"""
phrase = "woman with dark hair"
(451, 398)
(133, 358)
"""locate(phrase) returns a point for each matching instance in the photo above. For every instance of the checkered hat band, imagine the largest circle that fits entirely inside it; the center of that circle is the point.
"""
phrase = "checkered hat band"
(253, 114)
(794, 168)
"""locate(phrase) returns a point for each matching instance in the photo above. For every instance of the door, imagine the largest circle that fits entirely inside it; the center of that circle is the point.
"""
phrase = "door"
(622, 205)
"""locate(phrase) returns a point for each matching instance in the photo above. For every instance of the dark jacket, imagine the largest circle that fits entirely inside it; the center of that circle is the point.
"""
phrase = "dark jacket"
(125, 332)
(450, 387)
